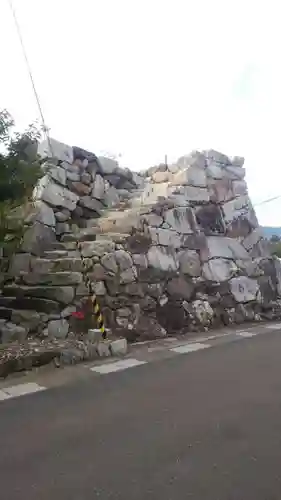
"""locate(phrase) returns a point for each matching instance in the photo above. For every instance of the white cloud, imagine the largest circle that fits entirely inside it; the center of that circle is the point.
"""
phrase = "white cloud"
(150, 77)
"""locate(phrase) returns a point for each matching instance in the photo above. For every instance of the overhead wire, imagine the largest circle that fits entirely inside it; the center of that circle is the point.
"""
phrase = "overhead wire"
(44, 126)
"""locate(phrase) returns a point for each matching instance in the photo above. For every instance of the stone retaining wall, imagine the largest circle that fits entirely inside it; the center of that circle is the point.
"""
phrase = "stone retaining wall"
(174, 249)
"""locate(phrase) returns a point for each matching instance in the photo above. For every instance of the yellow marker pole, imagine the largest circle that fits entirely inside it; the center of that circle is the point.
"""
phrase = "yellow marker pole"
(96, 307)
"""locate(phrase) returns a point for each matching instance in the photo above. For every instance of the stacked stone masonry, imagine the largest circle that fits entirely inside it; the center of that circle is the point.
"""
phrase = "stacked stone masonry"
(176, 248)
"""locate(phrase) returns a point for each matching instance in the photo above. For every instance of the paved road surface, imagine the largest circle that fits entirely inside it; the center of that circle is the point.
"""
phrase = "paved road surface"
(206, 425)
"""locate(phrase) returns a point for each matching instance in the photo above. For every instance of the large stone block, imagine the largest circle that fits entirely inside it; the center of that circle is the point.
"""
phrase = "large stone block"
(58, 328)
(181, 219)
(58, 174)
(99, 248)
(91, 204)
(63, 294)
(50, 147)
(193, 176)
(107, 165)
(219, 269)
(180, 288)
(244, 289)
(165, 237)
(162, 258)
(54, 194)
(98, 190)
(190, 263)
(38, 238)
(20, 263)
(56, 279)
(220, 246)
(41, 212)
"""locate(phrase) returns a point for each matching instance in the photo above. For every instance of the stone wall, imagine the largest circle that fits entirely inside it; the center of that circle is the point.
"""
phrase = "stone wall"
(174, 249)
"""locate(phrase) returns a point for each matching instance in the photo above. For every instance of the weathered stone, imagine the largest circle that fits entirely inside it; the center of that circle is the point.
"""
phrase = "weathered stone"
(181, 288)
(86, 178)
(41, 212)
(138, 242)
(181, 220)
(128, 275)
(118, 347)
(98, 273)
(252, 239)
(244, 289)
(193, 176)
(55, 279)
(79, 188)
(63, 294)
(154, 290)
(165, 237)
(161, 176)
(111, 197)
(13, 333)
(123, 259)
(91, 204)
(162, 258)
(219, 269)
(30, 320)
(103, 349)
(67, 311)
(55, 194)
(240, 207)
(98, 190)
(134, 289)
(99, 288)
(30, 303)
(195, 158)
(108, 166)
(73, 176)
(153, 220)
(235, 172)
(20, 263)
(209, 219)
(91, 248)
(140, 260)
(185, 194)
(214, 170)
(203, 312)
(50, 147)
(221, 190)
(62, 216)
(58, 174)
(224, 247)
(38, 238)
(62, 228)
(58, 328)
(189, 262)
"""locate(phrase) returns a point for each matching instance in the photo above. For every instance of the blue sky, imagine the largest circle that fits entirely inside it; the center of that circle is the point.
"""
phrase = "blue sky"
(145, 78)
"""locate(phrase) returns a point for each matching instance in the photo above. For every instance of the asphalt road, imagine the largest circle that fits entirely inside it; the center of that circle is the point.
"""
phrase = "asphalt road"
(206, 425)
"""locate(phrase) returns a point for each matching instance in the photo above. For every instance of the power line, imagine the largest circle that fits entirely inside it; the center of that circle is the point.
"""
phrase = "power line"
(45, 129)
(268, 200)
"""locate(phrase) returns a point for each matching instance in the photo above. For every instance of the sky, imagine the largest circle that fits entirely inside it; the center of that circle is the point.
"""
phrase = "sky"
(146, 78)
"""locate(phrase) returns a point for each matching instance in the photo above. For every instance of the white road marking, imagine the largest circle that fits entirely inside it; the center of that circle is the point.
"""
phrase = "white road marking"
(273, 327)
(246, 334)
(183, 349)
(23, 389)
(117, 366)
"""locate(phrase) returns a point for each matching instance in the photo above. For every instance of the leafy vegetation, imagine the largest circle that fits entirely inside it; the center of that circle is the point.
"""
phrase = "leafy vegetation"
(275, 245)
(19, 172)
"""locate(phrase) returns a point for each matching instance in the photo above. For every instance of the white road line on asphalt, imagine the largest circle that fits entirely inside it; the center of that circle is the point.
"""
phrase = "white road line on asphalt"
(117, 366)
(22, 389)
(246, 334)
(184, 349)
(273, 327)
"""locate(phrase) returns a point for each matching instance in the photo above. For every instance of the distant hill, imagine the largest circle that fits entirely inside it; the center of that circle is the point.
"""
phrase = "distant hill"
(269, 231)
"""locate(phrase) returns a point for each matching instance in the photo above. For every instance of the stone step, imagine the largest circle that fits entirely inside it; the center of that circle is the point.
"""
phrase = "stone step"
(60, 278)
(55, 254)
(47, 265)
(31, 304)
(61, 294)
